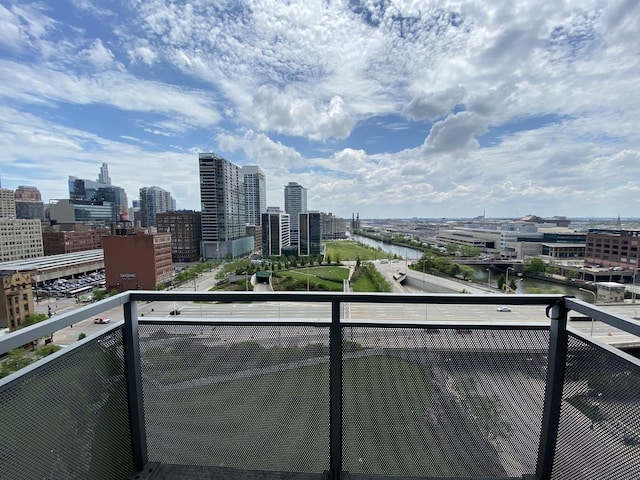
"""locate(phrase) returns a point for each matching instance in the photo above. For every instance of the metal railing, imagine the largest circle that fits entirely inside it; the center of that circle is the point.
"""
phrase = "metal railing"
(431, 399)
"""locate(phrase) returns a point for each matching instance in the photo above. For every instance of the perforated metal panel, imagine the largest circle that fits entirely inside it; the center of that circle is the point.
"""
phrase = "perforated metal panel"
(69, 419)
(442, 402)
(599, 434)
(255, 398)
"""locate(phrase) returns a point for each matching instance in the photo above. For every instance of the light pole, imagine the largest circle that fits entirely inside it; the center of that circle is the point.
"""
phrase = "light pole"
(507, 279)
(489, 281)
(595, 299)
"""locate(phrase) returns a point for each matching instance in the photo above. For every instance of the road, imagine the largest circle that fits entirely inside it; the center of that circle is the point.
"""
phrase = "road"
(443, 314)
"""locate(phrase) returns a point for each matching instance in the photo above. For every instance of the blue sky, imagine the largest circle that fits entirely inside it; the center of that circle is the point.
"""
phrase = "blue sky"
(527, 107)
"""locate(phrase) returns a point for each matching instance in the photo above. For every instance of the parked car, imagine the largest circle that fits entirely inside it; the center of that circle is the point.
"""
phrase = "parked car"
(101, 320)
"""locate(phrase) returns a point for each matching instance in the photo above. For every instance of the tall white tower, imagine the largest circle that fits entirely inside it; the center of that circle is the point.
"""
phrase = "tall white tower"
(295, 203)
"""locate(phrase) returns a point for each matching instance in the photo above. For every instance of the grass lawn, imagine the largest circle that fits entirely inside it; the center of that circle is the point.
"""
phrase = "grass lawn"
(336, 274)
(363, 284)
(281, 420)
(349, 250)
(319, 278)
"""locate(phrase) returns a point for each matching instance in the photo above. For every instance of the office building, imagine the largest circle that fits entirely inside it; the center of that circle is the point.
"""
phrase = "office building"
(186, 232)
(95, 213)
(29, 204)
(16, 298)
(82, 190)
(614, 248)
(103, 176)
(310, 233)
(295, 203)
(20, 239)
(135, 260)
(7, 203)
(275, 232)
(153, 200)
(222, 196)
(333, 228)
(57, 240)
(255, 187)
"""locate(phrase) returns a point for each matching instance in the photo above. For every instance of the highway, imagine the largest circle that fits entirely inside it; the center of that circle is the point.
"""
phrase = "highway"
(442, 314)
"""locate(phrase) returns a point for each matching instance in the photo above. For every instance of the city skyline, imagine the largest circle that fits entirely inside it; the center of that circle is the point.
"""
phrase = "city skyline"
(393, 109)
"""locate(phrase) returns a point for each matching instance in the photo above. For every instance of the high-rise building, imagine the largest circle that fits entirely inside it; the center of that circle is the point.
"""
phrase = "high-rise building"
(20, 239)
(7, 203)
(310, 233)
(153, 200)
(255, 187)
(135, 260)
(29, 204)
(295, 203)
(185, 229)
(222, 196)
(104, 177)
(28, 193)
(275, 232)
(98, 193)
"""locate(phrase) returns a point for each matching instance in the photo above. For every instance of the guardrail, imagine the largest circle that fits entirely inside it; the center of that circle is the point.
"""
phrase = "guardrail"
(371, 397)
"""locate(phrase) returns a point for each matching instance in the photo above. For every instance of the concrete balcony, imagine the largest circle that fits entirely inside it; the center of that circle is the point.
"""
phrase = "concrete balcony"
(303, 386)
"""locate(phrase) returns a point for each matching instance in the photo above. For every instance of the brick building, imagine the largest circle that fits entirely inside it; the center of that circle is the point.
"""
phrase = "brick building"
(136, 260)
(185, 229)
(615, 248)
(16, 298)
(56, 242)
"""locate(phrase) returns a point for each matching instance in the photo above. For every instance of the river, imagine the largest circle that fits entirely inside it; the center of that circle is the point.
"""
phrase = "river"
(525, 285)
(404, 252)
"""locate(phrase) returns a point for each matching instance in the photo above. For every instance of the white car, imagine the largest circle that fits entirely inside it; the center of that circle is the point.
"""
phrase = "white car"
(101, 320)
(503, 309)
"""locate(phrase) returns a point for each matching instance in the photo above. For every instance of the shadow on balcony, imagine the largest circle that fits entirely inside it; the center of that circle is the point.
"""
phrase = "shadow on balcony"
(312, 386)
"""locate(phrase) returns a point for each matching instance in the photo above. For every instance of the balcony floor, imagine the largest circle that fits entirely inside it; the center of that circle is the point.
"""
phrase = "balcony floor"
(193, 472)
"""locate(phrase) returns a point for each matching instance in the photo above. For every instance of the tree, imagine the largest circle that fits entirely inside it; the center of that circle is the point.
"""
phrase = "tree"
(99, 295)
(501, 281)
(513, 284)
(452, 248)
(33, 318)
(358, 262)
(535, 265)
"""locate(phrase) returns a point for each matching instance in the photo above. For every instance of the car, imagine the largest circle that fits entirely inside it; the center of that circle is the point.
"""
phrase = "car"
(503, 309)
(101, 320)
(174, 312)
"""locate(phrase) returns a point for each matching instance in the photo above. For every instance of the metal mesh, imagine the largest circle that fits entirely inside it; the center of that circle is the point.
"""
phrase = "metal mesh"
(599, 433)
(442, 402)
(69, 418)
(255, 398)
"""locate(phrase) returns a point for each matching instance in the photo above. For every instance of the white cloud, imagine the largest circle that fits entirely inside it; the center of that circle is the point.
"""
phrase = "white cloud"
(456, 132)
(118, 89)
(433, 104)
(284, 113)
(98, 55)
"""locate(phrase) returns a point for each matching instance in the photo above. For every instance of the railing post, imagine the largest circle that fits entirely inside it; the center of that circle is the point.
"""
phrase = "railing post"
(134, 385)
(553, 391)
(335, 393)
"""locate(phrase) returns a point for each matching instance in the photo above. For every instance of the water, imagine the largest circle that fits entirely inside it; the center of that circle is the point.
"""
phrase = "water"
(404, 252)
(528, 285)
(525, 285)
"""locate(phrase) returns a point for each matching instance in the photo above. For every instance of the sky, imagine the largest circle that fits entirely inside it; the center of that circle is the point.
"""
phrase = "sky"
(391, 109)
